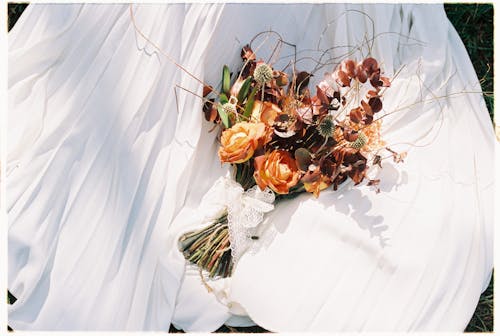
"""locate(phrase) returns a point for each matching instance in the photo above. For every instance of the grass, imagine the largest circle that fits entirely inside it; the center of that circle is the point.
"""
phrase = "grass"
(474, 24)
(14, 11)
(482, 320)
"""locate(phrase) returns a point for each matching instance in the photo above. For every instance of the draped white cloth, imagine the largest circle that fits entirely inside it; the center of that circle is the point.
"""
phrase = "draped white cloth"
(107, 165)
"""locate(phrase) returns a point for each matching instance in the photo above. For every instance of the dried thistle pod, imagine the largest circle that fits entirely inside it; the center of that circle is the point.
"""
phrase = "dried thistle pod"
(230, 106)
(360, 141)
(326, 127)
(263, 73)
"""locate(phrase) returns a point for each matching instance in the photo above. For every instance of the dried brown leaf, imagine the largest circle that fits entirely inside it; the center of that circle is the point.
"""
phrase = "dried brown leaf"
(322, 96)
(376, 104)
(386, 82)
(342, 78)
(350, 135)
(206, 90)
(370, 65)
(356, 115)
(361, 74)
(303, 159)
(247, 53)
(349, 67)
(367, 108)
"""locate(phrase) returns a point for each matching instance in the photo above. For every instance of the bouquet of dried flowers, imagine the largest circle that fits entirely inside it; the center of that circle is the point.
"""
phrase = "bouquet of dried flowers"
(280, 137)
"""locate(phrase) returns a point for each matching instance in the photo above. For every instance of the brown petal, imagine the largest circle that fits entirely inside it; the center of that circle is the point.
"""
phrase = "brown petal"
(355, 115)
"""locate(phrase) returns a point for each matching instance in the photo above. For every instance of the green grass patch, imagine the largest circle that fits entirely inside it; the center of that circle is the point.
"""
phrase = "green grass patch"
(474, 24)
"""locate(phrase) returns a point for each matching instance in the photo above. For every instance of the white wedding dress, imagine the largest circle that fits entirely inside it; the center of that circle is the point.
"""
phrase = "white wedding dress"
(107, 165)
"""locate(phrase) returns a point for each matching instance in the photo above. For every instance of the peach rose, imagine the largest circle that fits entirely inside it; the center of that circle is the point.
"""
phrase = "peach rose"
(277, 171)
(265, 112)
(239, 142)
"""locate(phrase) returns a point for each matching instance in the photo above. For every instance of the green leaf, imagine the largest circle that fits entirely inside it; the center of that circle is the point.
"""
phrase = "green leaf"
(224, 117)
(226, 79)
(223, 99)
(250, 103)
(244, 89)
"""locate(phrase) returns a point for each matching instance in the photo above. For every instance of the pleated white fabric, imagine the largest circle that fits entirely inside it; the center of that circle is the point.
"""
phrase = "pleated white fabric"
(107, 165)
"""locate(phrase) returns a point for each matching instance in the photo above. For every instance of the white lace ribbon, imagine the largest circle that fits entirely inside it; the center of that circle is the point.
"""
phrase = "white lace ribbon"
(245, 209)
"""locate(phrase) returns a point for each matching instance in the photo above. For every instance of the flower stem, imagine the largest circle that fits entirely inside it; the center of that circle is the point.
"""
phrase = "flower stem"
(209, 248)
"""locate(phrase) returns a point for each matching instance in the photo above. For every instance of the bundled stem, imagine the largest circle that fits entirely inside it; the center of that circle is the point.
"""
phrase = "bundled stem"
(209, 248)
(244, 174)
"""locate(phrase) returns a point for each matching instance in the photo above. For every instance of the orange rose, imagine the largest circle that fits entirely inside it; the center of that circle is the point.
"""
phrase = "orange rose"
(239, 142)
(277, 171)
(265, 112)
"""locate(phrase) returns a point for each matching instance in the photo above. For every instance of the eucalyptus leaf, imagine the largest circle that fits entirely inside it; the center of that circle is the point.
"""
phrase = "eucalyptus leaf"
(224, 117)
(250, 103)
(223, 99)
(303, 158)
(226, 79)
(244, 89)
